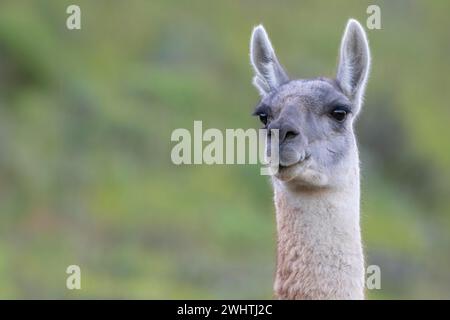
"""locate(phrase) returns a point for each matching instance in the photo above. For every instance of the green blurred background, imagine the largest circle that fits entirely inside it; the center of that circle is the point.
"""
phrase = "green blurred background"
(85, 124)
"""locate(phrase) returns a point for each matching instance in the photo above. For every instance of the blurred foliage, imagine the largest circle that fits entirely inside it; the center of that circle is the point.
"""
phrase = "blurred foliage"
(85, 124)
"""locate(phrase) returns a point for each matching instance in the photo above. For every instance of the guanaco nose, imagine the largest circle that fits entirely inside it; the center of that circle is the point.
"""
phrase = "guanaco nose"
(286, 130)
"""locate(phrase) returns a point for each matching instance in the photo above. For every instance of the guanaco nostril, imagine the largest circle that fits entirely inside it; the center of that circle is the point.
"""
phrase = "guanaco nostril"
(291, 135)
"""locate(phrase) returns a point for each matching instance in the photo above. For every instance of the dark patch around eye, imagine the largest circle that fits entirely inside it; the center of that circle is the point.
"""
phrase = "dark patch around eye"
(339, 114)
(263, 118)
(330, 108)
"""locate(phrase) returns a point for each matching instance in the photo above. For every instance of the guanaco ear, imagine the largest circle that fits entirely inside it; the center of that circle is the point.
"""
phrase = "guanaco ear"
(354, 63)
(269, 74)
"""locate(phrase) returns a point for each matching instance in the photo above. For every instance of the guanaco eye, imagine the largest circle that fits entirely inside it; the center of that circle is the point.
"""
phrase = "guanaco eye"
(263, 118)
(339, 114)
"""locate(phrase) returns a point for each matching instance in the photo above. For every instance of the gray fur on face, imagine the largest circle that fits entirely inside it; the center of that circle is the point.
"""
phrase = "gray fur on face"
(302, 109)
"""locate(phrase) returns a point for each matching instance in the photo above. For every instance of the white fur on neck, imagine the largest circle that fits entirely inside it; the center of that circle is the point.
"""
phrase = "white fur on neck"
(319, 243)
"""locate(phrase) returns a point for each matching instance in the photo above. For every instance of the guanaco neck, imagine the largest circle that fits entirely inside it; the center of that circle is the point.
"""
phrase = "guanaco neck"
(319, 251)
